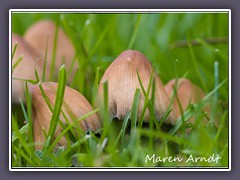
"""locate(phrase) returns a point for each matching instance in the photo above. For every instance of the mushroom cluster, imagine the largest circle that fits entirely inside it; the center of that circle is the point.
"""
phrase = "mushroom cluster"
(130, 71)
(122, 77)
(32, 48)
(31, 51)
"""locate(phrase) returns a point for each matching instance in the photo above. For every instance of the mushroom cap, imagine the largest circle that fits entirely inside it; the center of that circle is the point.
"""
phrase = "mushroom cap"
(41, 31)
(122, 84)
(75, 105)
(25, 68)
(187, 92)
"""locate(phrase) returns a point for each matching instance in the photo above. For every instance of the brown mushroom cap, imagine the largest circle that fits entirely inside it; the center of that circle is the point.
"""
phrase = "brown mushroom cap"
(123, 81)
(75, 105)
(187, 92)
(37, 35)
(25, 68)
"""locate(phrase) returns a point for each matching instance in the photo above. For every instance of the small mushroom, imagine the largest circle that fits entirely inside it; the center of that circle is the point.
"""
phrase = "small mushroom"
(24, 68)
(123, 81)
(75, 105)
(187, 92)
(43, 32)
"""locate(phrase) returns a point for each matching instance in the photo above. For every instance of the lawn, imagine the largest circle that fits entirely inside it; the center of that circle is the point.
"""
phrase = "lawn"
(190, 45)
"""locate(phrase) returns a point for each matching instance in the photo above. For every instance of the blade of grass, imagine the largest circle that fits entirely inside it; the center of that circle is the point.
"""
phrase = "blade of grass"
(53, 60)
(95, 86)
(148, 104)
(105, 114)
(176, 94)
(75, 82)
(101, 37)
(70, 69)
(77, 43)
(135, 109)
(36, 74)
(23, 110)
(195, 65)
(178, 102)
(141, 85)
(29, 113)
(20, 151)
(134, 35)
(16, 63)
(14, 50)
(224, 116)
(45, 62)
(190, 112)
(68, 128)
(124, 126)
(22, 131)
(215, 96)
(146, 95)
(152, 114)
(21, 140)
(25, 80)
(160, 134)
(59, 101)
(50, 106)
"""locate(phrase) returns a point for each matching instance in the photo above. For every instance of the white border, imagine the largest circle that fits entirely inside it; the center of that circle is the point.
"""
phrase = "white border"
(119, 11)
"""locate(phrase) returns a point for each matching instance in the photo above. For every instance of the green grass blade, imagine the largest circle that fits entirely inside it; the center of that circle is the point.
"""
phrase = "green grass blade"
(162, 135)
(195, 65)
(45, 62)
(59, 101)
(50, 106)
(23, 110)
(26, 157)
(101, 37)
(147, 104)
(45, 97)
(22, 141)
(105, 114)
(134, 114)
(29, 113)
(72, 65)
(124, 126)
(95, 86)
(77, 42)
(16, 63)
(25, 80)
(215, 96)
(190, 112)
(22, 131)
(14, 50)
(36, 74)
(223, 118)
(69, 127)
(141, 85)
(53, 60)
(136, 28)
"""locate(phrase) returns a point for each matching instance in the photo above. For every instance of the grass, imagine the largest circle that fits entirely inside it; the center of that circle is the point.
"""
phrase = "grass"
(98, 39)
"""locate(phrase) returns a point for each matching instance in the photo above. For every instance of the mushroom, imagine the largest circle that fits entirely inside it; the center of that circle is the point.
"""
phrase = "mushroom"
(187, 92)
(74, 106)
(123, 81)
(24, 69)
(43, 32)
